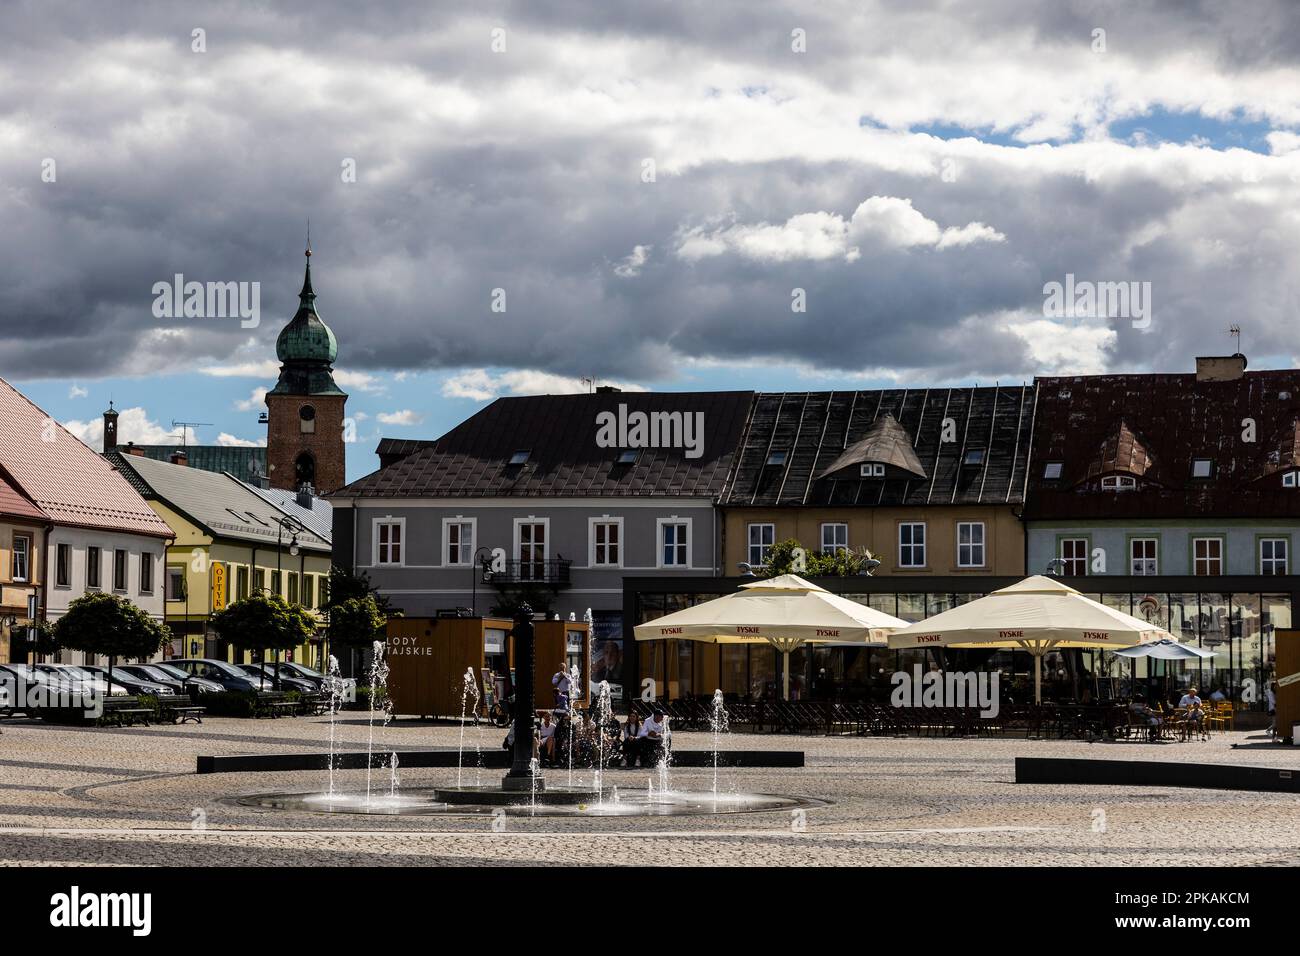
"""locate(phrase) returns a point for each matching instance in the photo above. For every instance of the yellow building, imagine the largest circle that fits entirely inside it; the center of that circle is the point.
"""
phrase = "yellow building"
(232, 540)
(930, 481)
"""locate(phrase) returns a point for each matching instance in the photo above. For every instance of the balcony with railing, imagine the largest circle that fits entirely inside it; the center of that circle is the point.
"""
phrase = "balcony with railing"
(553, 572)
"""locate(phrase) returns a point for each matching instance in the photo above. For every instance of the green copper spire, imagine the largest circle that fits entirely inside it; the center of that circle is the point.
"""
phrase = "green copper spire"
(306, 347)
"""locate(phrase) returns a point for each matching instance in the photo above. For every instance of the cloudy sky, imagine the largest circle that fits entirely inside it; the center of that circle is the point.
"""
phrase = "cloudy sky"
(656, 188)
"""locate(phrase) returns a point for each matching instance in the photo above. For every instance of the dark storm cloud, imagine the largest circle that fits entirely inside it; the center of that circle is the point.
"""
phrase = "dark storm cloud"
(471, 178)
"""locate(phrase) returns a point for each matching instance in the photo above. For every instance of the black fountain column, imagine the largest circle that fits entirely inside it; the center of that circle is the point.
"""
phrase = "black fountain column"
(522, 776)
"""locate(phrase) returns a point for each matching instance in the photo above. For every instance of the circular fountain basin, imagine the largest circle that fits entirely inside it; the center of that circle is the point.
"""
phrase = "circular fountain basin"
(496, 797)
(574, 802)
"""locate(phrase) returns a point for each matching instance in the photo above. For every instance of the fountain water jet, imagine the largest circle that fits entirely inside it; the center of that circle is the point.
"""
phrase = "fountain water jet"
(378, 684)
(718, 724)
(469, 685)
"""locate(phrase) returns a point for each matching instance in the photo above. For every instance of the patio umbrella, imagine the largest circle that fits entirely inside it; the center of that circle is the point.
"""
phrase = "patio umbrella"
(1038, 614)
(1165, 650)
(785, 611)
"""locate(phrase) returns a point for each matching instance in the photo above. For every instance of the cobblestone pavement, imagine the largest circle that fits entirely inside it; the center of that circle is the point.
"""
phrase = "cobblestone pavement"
(131, 796)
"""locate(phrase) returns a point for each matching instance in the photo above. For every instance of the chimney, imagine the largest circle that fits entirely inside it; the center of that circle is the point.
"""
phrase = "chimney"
(1220, 368)
(179, 457)
(305, 496)
(132, 449)
(110, 428)
(607, 389)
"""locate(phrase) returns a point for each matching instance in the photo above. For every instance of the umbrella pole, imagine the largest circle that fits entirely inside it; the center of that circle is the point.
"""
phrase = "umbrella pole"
(1038, 678)
(785, 675)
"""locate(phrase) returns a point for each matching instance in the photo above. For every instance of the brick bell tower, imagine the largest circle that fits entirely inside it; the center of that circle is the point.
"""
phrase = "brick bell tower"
(304, 431)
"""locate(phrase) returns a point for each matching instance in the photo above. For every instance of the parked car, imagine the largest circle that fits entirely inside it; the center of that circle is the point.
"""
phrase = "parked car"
(71, 675)
(176, 680)
(271, 680)
(344, 687)
(229, 676)
(133, 684)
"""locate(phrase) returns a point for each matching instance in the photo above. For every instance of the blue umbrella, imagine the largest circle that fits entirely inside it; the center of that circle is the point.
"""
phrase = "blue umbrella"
(1165, 650)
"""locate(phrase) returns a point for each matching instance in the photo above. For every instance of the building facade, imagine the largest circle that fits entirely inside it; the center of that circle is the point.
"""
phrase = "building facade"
(230, 540)
(23, 528)
(1176, 497)
(100, 534)
(930, 481)
(530, 500)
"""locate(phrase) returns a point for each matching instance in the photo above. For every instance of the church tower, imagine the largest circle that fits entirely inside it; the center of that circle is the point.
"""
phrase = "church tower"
(304, 431)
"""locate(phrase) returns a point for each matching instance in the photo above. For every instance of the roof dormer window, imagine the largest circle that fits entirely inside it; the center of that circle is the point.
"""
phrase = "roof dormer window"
(1052, 470)
(1118, 483)
(872, 469)
(1291, 479)
(776, 458)
(974, 458)
(628, 456)
(519, 458)
(1202, 467)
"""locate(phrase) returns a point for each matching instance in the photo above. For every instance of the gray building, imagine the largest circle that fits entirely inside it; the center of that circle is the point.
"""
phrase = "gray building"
(548, 499)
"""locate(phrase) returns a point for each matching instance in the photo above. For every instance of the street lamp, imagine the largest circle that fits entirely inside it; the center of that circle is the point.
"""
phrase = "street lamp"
(1055, 567)
(484, 562)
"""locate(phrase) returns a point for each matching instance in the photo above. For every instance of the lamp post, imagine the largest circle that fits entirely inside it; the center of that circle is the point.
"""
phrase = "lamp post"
(1055, 567)
(295, 527)
(485, 563)
(523, 775)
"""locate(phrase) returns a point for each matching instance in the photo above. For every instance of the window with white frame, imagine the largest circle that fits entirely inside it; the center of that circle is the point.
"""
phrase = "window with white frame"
(1291, 479)
(1118, 483)
(911, 544)
(1207, 556)
(1143, 556)
(606, 542)
(761, 538)
(970, 544)
(1074, 552)
(1273, 555)
(674, 543)
(458, 542)
(390, 541)
(21, 565)
(531, 548)
(835, 537)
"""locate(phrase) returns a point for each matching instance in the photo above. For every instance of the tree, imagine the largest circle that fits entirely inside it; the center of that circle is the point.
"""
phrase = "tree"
(358, 613)
(344, 585)
(111, 625)
(264, 621)
(841, 563)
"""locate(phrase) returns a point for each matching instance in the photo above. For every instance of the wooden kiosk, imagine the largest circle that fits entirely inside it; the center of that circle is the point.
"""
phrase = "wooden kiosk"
(428, 656)
(1288, 681)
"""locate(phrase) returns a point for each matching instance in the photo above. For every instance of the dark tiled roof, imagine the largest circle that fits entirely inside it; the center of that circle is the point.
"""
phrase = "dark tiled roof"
(242, 461)
(66, 480)
(815, 429)
(559, 432)
(317, 519)
(393, 450)
(1178, 419)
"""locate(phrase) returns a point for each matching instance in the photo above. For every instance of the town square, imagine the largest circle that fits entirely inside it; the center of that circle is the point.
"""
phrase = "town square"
(712, 442)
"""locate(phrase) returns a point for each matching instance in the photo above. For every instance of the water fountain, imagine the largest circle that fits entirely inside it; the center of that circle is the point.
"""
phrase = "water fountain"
(718, 726)
(469, 686)
(378, 684)
(524, 789)
(602, 709)
(336, 702)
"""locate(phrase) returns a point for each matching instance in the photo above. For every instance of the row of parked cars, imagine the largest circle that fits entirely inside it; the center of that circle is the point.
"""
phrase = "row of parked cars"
(191, 677)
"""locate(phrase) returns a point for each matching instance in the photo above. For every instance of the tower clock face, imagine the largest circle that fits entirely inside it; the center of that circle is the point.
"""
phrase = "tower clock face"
(307, 413)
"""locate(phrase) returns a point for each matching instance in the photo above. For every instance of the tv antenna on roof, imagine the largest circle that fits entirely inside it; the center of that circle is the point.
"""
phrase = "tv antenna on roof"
(1235, 330)
(185, 429)
(590, 383)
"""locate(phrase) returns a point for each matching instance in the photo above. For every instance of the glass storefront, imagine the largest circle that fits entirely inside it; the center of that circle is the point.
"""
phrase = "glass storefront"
(1238, 627)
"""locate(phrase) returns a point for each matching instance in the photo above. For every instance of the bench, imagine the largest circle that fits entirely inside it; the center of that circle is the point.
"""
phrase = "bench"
(123, 715)
(313, 704)
(277, 708)
(180, 713)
